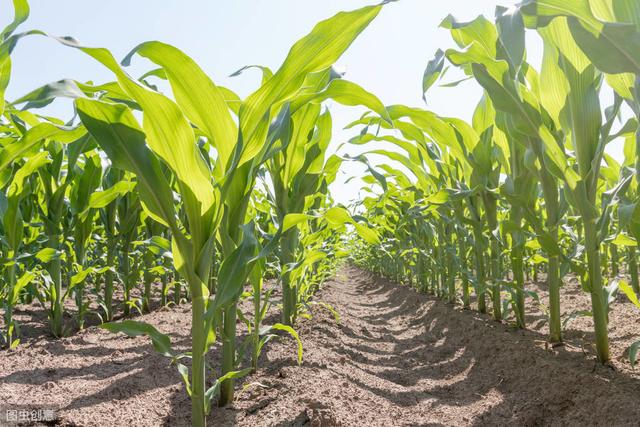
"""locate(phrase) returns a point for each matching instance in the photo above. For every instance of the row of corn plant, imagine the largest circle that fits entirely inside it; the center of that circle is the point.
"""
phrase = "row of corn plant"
(170, 183)
(529, 179)
(123, 208)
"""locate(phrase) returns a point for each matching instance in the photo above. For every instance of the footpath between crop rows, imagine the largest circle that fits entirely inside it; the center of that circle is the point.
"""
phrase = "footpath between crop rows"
(395, 358)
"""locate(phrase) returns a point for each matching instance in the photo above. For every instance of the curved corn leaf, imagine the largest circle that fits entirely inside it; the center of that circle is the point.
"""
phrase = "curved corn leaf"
(161, 342)
(196, 94)
(115, 128)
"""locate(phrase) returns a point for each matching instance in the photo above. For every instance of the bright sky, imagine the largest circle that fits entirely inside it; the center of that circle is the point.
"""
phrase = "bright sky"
(388, 59)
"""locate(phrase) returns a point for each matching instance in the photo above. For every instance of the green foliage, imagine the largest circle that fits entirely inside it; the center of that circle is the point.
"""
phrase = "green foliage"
(213, 199)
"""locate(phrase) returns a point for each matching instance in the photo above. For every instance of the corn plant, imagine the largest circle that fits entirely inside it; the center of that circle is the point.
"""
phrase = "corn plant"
(576, 44)
(214, 202)
(299, 173)
(549, 128)
(495, 59)
(222, 193)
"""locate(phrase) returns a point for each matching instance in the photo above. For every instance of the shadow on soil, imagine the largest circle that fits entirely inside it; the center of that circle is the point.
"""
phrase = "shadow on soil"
(456, 358)
(406, 348)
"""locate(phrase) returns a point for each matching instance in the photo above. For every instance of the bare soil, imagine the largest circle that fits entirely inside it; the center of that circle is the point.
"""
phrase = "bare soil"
(395, 358)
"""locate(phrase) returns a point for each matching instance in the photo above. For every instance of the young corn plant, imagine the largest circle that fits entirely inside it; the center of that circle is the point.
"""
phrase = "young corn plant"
(214, 202)
(298, 173)
(576, 44)
(82, 223)
(571, 78)
(495, 59)
(13, 230)
(106, 202)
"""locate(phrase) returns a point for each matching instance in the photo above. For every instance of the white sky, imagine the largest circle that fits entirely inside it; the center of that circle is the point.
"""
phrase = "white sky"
(388, 59)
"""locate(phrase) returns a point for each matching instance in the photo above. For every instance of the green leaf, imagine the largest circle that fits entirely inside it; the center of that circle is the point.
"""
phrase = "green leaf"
(549, 245)
(80, 276)
(235, 269)
(196, 94)
(100, 199)
(171, 137)
(624, 239)
(34, 137)
(48, 254)
(46, 94)
(116, 131)
(29, 167)
(288, 329)
(184, 373)
(266, 72)
(614, 47)
(345, 93)
(20, 284)
(5, 74)
(86, 183)
(293, 219)
(338, 216)
(21, 13)
(313, 53)
(511, 35)
(628, 291)
(538, 259)
(433, 72)
(438, 198)
(161, 342)
(570, 93)
(214, 390)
